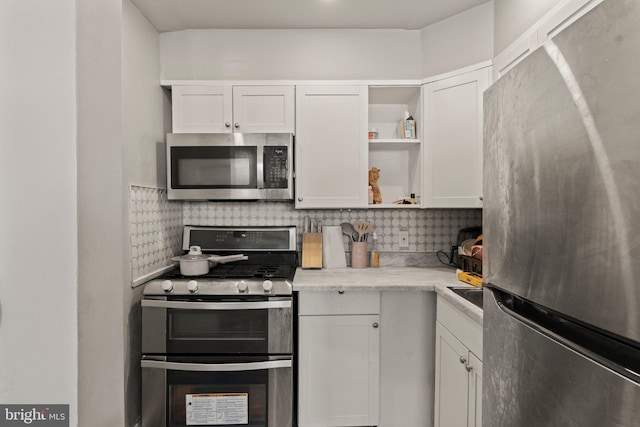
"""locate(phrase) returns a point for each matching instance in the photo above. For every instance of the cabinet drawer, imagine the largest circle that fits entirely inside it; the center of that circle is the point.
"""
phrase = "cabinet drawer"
(461, 326)
(339, 302)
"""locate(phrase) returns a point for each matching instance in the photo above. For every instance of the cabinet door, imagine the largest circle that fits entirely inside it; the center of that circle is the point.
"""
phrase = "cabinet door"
(452, 380)
(338, 370)
(514, 53)
(453, 141)
(201, 109)
(263, 109)
(331, 146)
(562, 17)
(475, 391)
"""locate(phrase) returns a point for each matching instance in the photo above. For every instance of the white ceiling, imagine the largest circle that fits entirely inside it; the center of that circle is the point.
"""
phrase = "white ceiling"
(175, 15)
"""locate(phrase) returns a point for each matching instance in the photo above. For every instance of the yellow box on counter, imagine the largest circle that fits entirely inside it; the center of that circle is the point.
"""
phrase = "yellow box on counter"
(470, 278)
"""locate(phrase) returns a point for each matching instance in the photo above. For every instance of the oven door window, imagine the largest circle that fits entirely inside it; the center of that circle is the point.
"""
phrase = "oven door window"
(214, 167)
(217, 331)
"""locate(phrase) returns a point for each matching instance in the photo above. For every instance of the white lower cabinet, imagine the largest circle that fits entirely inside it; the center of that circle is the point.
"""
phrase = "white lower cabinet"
(365, 358)
(407, 331)
(458, 382)
(475, 391)
(338, 358)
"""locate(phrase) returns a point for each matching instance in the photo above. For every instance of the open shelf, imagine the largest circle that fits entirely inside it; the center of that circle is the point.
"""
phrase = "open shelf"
(390, 143)
(393, 206)
(397, 158)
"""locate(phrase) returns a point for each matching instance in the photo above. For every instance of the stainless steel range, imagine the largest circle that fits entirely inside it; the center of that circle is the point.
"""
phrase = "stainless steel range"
(218, 348)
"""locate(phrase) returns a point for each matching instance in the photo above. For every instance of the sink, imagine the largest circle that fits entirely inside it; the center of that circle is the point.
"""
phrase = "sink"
(473, 295)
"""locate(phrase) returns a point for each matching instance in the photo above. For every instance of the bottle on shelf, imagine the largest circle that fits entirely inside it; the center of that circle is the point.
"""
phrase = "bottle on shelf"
(370, 195)
(375, 252)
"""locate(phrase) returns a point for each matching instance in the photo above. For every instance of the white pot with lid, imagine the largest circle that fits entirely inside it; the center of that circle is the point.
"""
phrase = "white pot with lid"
(195, 263)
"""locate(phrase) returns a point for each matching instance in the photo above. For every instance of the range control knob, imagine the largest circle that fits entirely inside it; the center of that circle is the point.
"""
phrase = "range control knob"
(192, 285)
(242, 286)
(267, 285)
(167, 286)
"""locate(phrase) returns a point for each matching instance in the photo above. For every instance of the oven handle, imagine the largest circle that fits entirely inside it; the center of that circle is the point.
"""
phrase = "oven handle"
(194, 305)
(260, 167)
(213, 367)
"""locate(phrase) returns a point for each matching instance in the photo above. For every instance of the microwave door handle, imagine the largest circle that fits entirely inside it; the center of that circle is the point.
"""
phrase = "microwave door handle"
(260, 166)
(213, 367)
(194, 305)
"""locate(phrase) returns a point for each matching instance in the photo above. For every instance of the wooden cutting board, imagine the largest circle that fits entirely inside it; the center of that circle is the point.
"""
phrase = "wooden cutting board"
(311, 250)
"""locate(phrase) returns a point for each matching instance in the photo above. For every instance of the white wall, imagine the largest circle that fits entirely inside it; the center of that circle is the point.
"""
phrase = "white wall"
(38, 254)
(143, 131)
(462, 40)
(291, 54)
(514, 17)
(143, 134)
(100, 220)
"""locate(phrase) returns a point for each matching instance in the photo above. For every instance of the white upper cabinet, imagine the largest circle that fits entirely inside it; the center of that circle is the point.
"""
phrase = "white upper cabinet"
(201, 109)
(226, 109)
(515, 53)
(453, 141)
(263, 109)
(565, 14)
(331, 147)
(557, 19)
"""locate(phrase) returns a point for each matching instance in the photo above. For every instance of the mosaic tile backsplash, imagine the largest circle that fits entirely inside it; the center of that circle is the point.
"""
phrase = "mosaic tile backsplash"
(430, 230)
(155, 226)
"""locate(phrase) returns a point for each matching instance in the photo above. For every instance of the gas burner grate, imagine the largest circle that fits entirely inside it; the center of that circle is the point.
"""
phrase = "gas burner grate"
(252, 271)
(242, 271)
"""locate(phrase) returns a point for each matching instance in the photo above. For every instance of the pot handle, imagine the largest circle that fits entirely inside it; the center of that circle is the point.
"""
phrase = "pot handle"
(229, 258)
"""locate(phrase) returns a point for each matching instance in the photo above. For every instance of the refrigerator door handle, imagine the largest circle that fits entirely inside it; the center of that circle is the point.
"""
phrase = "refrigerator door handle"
(599, 346)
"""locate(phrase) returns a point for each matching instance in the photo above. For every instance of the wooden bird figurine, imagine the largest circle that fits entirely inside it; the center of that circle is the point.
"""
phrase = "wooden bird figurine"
(374, 175)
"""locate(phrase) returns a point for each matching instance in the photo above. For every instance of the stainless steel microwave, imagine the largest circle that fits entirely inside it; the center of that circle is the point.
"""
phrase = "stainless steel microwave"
(230, 166)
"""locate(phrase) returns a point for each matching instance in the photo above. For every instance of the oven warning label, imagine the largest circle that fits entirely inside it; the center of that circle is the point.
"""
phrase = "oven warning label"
(217, 409)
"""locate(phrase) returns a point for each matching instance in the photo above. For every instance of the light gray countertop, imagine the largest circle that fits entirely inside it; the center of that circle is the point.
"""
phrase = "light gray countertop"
(388, 279)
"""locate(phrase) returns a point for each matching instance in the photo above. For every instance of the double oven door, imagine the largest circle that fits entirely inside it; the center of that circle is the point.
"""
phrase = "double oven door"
(217, 362)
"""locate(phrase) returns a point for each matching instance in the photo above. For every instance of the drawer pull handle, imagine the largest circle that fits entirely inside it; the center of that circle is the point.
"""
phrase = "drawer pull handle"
(341, 292)
(375, 325)
(463, 360)
(468, 367)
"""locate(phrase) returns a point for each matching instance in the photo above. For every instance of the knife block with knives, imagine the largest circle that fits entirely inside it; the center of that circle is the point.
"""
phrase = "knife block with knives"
(312, 244)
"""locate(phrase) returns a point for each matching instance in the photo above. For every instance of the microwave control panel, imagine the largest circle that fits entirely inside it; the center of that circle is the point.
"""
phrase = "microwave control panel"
(276, 174)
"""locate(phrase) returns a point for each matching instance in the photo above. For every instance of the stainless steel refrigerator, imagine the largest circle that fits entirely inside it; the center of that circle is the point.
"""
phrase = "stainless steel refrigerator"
(562, 230)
